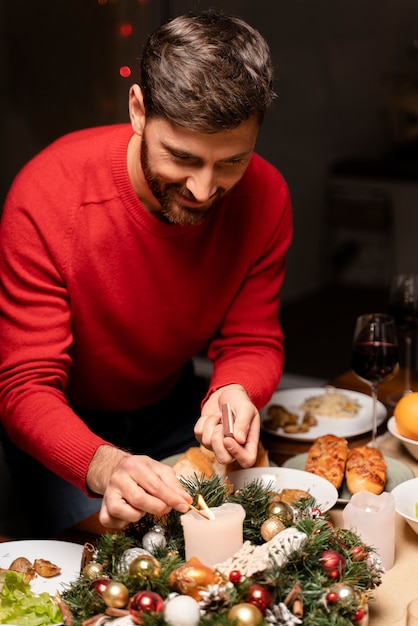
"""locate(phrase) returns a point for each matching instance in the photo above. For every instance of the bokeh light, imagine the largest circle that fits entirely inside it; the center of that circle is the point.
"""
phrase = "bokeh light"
(125, 71)
(126, 30)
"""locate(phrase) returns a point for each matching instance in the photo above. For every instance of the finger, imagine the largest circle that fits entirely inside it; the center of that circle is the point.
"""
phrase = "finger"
(207, 426)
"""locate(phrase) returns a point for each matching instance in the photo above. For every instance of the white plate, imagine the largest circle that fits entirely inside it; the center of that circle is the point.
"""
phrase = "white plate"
(62, 553)
(292, 400)
(396, 473)
(280, 478)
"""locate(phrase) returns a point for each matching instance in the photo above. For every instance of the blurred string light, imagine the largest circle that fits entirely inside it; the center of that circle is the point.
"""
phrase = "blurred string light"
(125, 30)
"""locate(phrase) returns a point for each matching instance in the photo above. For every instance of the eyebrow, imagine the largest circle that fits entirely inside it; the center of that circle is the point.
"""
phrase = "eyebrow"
(190, 155)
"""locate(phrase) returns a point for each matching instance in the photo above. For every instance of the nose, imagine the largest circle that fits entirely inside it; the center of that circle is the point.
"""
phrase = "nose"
(202, 184)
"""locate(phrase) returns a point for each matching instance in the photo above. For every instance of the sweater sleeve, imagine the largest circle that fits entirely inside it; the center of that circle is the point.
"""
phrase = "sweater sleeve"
(35, 349)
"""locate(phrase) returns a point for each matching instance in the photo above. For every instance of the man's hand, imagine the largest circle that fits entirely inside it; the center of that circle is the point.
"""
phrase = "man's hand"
(243, 446)
(133, 485)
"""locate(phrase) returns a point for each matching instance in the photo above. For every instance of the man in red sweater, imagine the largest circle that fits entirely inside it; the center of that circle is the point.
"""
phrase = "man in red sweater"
(124, 252)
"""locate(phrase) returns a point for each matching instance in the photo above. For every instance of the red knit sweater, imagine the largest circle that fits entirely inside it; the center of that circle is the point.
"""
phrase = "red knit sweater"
(102, 304)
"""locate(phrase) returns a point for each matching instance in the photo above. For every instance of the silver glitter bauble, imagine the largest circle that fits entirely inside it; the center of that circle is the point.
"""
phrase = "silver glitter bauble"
(128, 556)
(154, 539)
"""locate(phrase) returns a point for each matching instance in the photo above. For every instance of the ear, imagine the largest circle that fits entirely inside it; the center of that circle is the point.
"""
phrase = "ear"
(136, 109)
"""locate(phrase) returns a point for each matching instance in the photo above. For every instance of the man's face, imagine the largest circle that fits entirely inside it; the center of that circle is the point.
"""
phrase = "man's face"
(189, 172)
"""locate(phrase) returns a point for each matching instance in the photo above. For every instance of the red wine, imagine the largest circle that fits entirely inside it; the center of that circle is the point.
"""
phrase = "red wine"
(375, 361)
(405, 316)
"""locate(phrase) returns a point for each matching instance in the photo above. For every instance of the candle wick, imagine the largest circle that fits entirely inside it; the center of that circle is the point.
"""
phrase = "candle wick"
(201, 502)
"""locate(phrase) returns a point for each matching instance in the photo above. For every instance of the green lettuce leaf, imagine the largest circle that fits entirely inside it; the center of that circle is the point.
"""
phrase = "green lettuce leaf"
(21, 606)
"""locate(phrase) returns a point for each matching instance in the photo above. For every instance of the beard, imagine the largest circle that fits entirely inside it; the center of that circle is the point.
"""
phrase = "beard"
(167, 194)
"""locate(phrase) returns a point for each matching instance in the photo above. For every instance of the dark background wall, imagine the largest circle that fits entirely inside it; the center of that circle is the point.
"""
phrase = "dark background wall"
(337, 62)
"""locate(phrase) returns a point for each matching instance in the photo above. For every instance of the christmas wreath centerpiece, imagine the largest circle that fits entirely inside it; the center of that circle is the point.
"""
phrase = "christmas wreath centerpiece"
(294, 568)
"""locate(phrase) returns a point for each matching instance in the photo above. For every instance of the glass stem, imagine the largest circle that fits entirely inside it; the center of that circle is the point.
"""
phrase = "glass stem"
(408, 343)
(373, 443)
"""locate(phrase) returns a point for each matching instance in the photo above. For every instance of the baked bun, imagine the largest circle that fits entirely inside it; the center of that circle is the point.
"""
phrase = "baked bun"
(202, 462)
(327, 458)
(365, 470)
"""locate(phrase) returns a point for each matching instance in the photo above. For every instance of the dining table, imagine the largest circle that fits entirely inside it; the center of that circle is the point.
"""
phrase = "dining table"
(399, 584)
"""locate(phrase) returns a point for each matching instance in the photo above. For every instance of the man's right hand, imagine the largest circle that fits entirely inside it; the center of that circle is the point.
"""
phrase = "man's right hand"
(133, 485)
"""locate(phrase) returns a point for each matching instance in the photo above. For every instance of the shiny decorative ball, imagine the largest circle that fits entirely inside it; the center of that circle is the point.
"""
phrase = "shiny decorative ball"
(260, 596)
(154, 539)
(128, 556)
(235, 576)
(344, 592)
(145, 567)
(182, 611)
(358, 616)
(246, 614)
(145, 602)
(333, 563)
(116, 595)
(271, 527)
(192, 578)
(92, 570)
(332, 597)
(100, 585)
(282, 510)
(361, 616)
(358, 553)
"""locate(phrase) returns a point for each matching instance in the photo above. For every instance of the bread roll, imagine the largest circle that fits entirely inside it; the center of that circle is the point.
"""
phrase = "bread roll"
(365, 470)
(201, 461)
(327, 458)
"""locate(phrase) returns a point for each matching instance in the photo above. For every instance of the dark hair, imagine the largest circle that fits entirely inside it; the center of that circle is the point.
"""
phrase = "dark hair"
(208, 71)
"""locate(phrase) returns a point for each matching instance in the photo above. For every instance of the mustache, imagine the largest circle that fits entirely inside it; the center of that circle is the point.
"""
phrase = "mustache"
(187, 194)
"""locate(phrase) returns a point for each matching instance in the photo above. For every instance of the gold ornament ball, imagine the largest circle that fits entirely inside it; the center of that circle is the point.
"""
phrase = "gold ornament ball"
(144, 567)
(271, 527)
(282, 510)
(246, 614)
(116, 595)
(93, 570)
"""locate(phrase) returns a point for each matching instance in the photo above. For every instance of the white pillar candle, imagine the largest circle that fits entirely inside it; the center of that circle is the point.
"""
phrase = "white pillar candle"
(372, 517)
(214, 541)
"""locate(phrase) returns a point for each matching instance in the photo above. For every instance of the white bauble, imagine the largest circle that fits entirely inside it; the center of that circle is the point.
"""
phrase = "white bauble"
(182, 611)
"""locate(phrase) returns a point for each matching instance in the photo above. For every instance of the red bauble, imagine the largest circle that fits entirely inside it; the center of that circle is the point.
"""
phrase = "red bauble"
(358, 553)
(100, 584)
(235, 576)
(358, 615)
(259, 596)
(145, 602)
(333, 563)
(332, 597)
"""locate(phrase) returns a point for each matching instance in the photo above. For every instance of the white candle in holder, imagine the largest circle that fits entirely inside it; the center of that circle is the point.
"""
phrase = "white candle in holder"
(373, 518)
(213, 541)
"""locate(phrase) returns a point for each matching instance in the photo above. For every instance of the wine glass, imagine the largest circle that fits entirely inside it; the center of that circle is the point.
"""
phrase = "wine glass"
(403, 307)
(375, 355)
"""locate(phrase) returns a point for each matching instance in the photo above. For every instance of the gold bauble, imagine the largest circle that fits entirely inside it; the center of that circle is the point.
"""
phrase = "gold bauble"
(92, 570)
(144, 567)
(282, 510)
(116, 595)
(271, 527)
(246, 614)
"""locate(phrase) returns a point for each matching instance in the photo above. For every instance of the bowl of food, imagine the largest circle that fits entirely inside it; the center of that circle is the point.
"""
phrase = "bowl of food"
(406, 502)
(410, 444)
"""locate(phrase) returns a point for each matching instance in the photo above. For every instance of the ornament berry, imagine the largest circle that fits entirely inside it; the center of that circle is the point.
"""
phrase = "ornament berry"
(358, 615)
(332, 597)
(235, 576)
